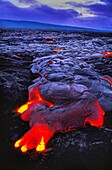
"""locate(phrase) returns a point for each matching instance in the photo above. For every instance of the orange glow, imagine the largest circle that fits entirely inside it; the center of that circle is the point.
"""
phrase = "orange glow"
(23, 108)
(17, 144)
(106, 54)
(48, 37)
(58, 50)
(49, 42)
(34, 96)
(37, 137)
(97, 116)
(38, 95)
(41, 146)
(41, 130)
(49, 62)
(24, 148)
(108, 79)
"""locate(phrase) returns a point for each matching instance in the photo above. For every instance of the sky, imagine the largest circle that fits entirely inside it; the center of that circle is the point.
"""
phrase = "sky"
(82, 13)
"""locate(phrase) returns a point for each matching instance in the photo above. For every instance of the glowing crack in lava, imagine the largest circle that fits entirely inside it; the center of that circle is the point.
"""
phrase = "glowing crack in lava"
(106, 54)
(60, 109)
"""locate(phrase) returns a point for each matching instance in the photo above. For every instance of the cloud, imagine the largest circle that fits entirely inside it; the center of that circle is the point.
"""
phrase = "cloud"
(82, 7)
(102, 10)
(107, 1)
(23, 3)
(56, 4)
(63, 4)
(41, 13)
(56, 16)
(79, 6)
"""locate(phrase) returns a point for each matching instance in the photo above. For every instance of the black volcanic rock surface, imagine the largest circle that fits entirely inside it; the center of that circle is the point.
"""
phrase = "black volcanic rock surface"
(54, 57)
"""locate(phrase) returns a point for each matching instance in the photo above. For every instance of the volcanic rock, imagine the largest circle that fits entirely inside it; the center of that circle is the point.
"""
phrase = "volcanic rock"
(77, 66)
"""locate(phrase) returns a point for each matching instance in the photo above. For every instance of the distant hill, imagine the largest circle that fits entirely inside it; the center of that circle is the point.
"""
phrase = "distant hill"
(11, 24)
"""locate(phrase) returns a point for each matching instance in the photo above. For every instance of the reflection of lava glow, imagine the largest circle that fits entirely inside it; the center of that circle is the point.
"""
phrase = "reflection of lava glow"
(41, 146)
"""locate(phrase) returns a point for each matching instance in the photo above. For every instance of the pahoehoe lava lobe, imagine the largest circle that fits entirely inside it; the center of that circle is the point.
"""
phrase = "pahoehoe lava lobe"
(60, 93)
(72, 108)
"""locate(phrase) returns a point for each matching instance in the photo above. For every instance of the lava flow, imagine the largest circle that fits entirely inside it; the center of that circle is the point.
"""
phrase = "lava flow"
(41, 146)
(34, 97)
(106, 54)
(36, 137)
(39, 132)
(109, 79)
(46, 121)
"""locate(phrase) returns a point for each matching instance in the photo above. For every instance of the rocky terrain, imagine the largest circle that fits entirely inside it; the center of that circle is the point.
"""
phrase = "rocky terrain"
(37, 57)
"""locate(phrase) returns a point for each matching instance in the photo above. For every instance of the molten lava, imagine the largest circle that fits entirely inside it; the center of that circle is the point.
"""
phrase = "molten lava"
(17, 143)
(24, 148)
(97, 118)
(109, 79)
(23, 108)
(56, 50)
(34, 96)
(46, 121)
(39, 132)
(41, 146)
(106, 54)
(37, 137)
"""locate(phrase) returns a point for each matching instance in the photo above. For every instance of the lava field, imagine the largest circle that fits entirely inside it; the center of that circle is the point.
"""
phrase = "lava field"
(74, 80)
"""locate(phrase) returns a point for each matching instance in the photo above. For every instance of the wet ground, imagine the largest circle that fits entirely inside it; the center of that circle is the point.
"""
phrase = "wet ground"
(89, 148)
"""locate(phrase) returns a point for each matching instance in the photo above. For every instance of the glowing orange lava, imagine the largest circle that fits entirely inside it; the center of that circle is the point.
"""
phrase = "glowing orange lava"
(37, 137)
(108, 79)
(34, 96)
(41, 146)
(23, 108)
(56, 50)
(48, 37)
(17, 143)
(24, 148)
(49, 42)
(97, 116)
(106, 54)
(42, 128)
